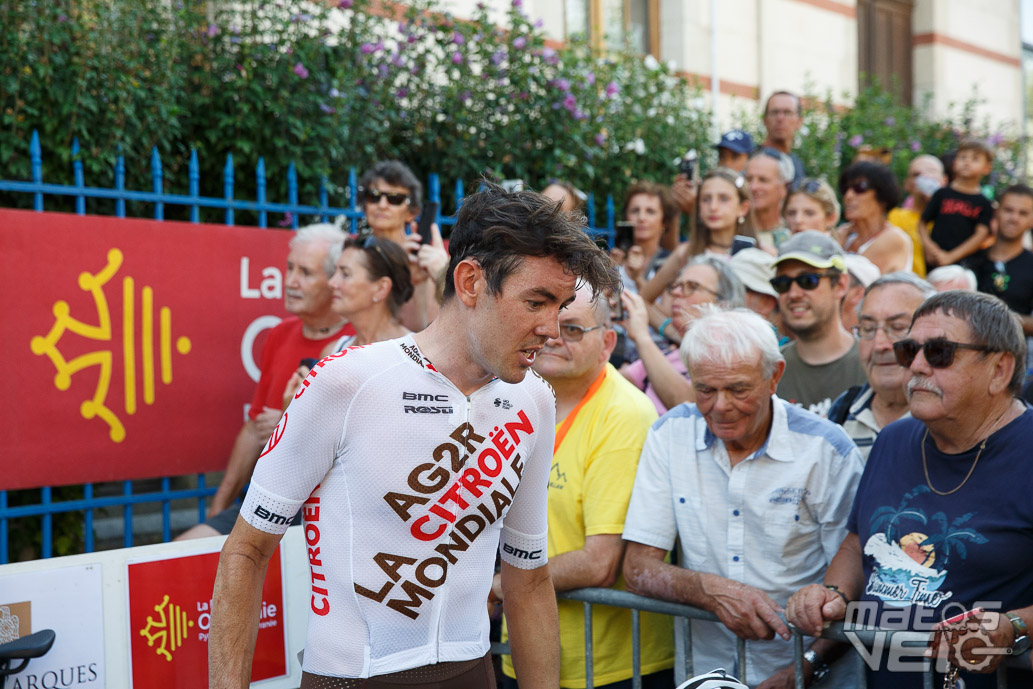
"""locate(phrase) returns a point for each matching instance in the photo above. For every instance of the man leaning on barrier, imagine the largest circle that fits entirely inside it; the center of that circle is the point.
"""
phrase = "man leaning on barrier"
(943, 519)
(755, 490)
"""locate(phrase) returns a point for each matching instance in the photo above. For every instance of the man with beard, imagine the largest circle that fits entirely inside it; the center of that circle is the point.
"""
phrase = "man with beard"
(811, 280)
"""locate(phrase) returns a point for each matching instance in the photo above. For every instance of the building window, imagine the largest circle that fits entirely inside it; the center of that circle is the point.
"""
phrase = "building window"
(884, 44)
(610, 24)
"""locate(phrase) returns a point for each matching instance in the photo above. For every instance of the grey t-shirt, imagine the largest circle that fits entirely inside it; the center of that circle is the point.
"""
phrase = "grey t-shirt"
(814, 387)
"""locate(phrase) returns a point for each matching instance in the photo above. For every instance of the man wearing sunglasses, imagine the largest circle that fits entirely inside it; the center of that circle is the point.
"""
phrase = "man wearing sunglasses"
(811, 280)
(884, 317)
(941, 521)
(602, 421)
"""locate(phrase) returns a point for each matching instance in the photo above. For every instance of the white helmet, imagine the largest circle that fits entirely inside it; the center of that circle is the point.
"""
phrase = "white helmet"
(715, 679)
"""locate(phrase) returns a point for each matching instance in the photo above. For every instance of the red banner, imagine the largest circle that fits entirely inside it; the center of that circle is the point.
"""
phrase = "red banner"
(170, 616)
(130, 346)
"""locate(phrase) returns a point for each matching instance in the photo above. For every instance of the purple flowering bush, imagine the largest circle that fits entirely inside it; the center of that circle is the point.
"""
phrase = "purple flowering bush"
(875, 120)
(333, 85)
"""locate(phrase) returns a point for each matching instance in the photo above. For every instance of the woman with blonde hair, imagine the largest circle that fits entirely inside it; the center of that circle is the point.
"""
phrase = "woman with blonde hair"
(811, 205)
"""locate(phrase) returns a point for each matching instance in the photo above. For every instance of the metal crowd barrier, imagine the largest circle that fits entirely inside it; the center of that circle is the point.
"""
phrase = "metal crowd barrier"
(683, 665)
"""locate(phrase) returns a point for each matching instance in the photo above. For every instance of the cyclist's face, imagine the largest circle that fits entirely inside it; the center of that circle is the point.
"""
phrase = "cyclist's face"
(510, 328)
(562, 360)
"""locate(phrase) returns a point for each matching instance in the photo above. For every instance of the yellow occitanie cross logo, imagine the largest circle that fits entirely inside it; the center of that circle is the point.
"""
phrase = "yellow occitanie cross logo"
(169, 631)
(97, 406)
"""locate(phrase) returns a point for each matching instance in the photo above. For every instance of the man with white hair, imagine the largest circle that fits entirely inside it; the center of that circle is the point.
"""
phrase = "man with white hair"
(767, 174)
(312, 325)
(755, 490)
(954, 276)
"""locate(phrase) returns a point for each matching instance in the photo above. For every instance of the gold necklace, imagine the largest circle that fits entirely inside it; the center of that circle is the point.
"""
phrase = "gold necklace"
(982, 446)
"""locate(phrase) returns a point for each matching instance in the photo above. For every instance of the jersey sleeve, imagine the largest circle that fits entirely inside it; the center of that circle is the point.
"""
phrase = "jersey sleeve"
(303, 447)
(525, 528)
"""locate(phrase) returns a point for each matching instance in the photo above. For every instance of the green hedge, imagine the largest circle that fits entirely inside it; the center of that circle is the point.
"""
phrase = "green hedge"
(334, 85)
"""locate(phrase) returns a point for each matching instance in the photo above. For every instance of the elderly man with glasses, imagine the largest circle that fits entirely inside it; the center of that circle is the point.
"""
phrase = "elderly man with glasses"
(602, 421)
(811, 280)
(755, 491)
(884, 317)
(943, 521)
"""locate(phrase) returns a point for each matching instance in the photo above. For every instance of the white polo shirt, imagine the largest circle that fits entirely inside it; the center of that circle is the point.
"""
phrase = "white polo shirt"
(774, 521)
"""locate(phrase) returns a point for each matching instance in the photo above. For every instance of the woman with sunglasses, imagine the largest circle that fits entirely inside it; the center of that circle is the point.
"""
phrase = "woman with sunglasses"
(391, 198)
(869, 192)
(811, 205)
(370, 286)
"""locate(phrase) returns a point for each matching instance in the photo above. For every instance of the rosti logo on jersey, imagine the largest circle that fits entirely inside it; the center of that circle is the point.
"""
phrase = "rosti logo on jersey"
(522, 554)
(471, 496)
(409, 409)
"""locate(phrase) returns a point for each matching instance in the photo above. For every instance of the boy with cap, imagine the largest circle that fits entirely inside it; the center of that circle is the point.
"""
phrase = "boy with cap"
(811, 281)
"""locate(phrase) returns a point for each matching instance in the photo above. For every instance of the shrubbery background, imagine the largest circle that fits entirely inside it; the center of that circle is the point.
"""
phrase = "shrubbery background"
(339, 85)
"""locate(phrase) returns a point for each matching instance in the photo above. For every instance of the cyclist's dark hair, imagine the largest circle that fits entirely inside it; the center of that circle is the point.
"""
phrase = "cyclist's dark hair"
(990, 322)
(396, 173)
(391, 262)
(498, 229)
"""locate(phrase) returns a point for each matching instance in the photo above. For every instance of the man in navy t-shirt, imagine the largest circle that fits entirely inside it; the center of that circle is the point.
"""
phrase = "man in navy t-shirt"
(943, 518)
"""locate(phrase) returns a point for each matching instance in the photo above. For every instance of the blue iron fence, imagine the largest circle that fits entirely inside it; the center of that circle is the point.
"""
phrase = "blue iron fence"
(47, 508)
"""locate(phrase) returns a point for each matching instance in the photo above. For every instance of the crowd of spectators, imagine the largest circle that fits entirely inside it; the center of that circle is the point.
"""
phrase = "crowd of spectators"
(801, 367)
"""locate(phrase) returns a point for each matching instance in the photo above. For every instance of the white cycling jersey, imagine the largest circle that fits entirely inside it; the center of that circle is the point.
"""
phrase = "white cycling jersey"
(405, 486)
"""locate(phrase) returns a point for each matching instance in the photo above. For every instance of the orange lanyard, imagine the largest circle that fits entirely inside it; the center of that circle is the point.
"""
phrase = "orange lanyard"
(561, 432)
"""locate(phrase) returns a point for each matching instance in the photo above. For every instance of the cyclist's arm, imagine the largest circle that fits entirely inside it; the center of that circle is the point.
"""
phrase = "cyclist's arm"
(236, 602)
(532, 619)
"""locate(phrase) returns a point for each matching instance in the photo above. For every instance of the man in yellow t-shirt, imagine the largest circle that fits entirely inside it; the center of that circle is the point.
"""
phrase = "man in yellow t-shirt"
(602, 421)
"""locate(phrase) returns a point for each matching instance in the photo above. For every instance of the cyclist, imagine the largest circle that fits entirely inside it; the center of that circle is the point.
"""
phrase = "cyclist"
(409, 459)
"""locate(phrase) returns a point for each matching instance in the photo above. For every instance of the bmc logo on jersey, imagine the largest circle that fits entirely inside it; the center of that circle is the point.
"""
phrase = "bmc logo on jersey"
(272, 517)
(421, 397)
(522, 554)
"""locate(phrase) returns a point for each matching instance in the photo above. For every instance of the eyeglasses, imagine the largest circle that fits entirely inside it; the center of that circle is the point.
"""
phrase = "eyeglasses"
(939, 351)
(688, 288)
(807, 281)
(373, 196)
(894, 331)
(857, 186)
(575, 333)
(781, 113)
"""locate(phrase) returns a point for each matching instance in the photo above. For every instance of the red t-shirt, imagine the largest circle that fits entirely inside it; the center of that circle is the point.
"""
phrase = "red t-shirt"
(283, 351)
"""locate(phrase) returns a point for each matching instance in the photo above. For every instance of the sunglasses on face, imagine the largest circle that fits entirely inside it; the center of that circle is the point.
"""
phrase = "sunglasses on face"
(807, 281)
(575, 333)
(688, 288)
(858, 186)
(939, 351)
(373, 196)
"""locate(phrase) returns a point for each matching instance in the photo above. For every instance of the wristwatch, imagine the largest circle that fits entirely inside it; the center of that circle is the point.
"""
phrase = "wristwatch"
(819, 668)
(1021, 643)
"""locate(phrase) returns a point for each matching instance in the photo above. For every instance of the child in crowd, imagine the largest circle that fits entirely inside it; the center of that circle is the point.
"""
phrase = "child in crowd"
(960, 214)
(722, 227)
(811, 205)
